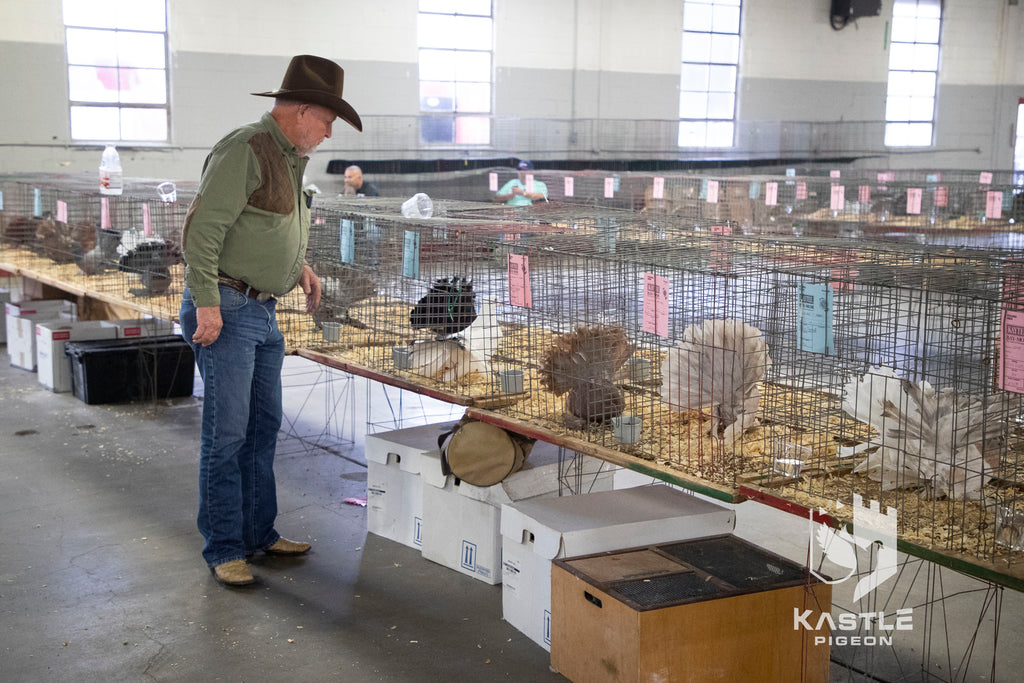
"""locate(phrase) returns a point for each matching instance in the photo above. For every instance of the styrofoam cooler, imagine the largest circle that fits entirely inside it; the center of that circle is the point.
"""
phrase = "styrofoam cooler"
(535, 532)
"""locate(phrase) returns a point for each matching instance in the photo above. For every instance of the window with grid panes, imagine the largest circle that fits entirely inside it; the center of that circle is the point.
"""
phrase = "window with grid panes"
(913, 73)
(117, 69)
(709, 71)
(456, 42)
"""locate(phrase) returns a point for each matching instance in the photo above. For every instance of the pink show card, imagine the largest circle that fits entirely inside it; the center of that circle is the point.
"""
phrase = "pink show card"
(519, 280)
(492, 181)
(655, 304)
(712, 192)
(914, 200)
(771, 194)
(658, 191)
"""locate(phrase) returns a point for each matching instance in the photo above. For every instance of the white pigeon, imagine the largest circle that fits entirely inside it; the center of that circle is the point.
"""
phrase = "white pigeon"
(928, 437)
(718, 364)
(448, 360)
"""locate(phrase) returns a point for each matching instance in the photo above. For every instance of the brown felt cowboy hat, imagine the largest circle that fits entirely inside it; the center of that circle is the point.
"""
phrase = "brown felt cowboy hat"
(316, 80)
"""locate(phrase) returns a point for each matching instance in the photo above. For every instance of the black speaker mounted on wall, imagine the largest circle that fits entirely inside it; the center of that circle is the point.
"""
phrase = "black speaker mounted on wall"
(843, 11)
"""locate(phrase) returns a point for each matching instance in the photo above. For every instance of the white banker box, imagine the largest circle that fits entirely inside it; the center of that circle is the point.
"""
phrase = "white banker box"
(394, 492)
(535, 532)
(144, 327)
(53, 366)
(462, 522)
(21, 326)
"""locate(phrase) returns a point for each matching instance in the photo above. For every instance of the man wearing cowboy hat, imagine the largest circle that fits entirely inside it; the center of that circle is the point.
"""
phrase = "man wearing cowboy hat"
(244, 244)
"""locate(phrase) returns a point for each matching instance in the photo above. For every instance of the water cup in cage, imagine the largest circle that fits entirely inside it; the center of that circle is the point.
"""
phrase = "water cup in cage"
(1010, 527)
(400, 357)
(790, 458)
(627, 428)
(511, 381)
(167, 191)
(418, 206)
(332, 331)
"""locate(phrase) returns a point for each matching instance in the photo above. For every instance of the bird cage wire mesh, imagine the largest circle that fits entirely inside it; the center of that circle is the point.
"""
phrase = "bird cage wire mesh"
(720, 333)
(811, 369)
(118, 248)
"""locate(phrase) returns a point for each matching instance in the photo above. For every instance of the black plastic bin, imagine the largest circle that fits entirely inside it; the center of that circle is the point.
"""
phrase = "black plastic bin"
(126, 370)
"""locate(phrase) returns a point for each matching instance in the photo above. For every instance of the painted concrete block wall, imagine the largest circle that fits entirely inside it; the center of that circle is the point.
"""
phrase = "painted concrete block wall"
(562, 60)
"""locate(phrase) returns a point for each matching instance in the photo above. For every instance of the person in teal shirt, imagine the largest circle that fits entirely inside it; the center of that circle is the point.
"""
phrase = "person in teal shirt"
(516, 191)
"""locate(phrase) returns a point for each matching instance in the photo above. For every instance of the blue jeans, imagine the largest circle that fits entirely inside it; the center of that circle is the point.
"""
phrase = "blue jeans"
(241, 374)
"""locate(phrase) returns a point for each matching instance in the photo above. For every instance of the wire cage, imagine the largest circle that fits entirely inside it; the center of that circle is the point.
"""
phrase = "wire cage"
(114, 248)
(700, 339)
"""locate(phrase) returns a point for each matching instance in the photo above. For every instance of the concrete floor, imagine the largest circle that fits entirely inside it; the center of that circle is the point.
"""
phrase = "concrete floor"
(101, 577)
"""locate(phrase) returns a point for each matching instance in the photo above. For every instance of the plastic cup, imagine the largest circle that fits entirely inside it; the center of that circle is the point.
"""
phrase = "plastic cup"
(418, 206)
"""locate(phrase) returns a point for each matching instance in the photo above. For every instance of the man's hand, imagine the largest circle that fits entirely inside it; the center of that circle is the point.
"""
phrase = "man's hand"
(208, 324)
(518, 190)
(310, 284)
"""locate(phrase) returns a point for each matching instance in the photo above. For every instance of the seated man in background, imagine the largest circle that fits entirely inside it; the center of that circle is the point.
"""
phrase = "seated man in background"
(516, 191)
(355, 185)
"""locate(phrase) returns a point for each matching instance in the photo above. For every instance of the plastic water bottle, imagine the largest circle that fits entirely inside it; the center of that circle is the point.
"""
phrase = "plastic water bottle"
(111, 181)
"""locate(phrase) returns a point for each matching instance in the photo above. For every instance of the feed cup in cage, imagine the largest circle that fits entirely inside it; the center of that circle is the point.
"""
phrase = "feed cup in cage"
(627, 428)
(639, 369)
(1010, 527)
(332, 331)
(418, 206)
(511, 381)
(790, 458)
(168, 192)
(400, 357)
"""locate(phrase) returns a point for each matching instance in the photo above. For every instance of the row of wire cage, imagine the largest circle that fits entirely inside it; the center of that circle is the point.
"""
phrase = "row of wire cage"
(817, 367)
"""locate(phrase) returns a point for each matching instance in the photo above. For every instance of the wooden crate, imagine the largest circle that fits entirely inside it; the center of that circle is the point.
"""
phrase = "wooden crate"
(668, 613)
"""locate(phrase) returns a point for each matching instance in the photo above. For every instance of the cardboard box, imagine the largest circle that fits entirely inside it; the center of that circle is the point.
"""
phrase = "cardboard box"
(536, 532)
(53, 365)
(462, 522)
(20, 325)
(144, 327)
(715, 609)
(394, 491)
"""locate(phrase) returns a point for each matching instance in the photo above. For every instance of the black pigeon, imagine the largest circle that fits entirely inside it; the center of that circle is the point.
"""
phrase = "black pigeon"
(447, 309)
(152, 261)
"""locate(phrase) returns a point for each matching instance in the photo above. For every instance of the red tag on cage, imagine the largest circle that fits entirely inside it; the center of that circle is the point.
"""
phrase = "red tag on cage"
(941, 196)
(864, 194)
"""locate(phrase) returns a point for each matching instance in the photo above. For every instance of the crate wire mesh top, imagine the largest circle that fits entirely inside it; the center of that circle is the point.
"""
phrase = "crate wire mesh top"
(680, 573)
(736, 343)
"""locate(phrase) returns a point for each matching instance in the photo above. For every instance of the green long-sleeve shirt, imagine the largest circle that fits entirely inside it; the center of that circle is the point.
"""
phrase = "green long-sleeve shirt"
(249, 218)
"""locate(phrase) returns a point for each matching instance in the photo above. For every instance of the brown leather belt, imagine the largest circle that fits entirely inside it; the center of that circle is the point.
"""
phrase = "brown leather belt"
(240, 286)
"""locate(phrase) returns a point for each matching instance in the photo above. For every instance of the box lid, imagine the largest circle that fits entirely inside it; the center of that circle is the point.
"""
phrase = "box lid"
(409, 444)
(595, 522)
